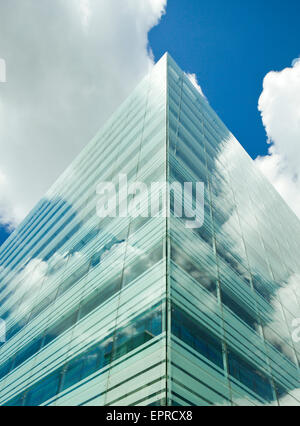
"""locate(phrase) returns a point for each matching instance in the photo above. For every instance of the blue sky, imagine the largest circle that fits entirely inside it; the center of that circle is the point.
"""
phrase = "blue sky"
(231, 45)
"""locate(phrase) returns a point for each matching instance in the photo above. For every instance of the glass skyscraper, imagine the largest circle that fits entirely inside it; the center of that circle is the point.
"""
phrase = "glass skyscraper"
(143, 310)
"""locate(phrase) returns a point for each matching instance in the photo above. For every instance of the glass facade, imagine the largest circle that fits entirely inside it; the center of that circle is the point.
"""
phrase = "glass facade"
(142, 310)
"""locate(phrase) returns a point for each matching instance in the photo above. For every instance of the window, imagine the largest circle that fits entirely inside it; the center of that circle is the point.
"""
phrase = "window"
(193, 334)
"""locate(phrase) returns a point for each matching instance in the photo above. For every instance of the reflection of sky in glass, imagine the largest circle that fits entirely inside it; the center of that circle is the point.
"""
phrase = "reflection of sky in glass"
(82, 294)
(71, 280)
(255, 241)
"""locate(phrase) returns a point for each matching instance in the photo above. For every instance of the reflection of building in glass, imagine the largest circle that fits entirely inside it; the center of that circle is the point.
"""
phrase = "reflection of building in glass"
(145, 311)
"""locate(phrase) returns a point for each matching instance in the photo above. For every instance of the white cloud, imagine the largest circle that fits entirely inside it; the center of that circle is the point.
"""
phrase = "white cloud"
(70, 63)
(279, 105)
(193, 79)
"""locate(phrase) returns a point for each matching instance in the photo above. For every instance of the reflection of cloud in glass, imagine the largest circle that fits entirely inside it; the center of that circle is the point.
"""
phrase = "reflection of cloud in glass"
(2, 71)
(281, 287)
(30, 280)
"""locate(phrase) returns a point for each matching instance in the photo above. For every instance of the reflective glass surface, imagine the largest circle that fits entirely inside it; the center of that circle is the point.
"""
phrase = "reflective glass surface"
(234, 284)
(144, 311)
(83, 297)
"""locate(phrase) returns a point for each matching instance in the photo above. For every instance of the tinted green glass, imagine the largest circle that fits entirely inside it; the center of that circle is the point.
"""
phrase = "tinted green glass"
(143, 310)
